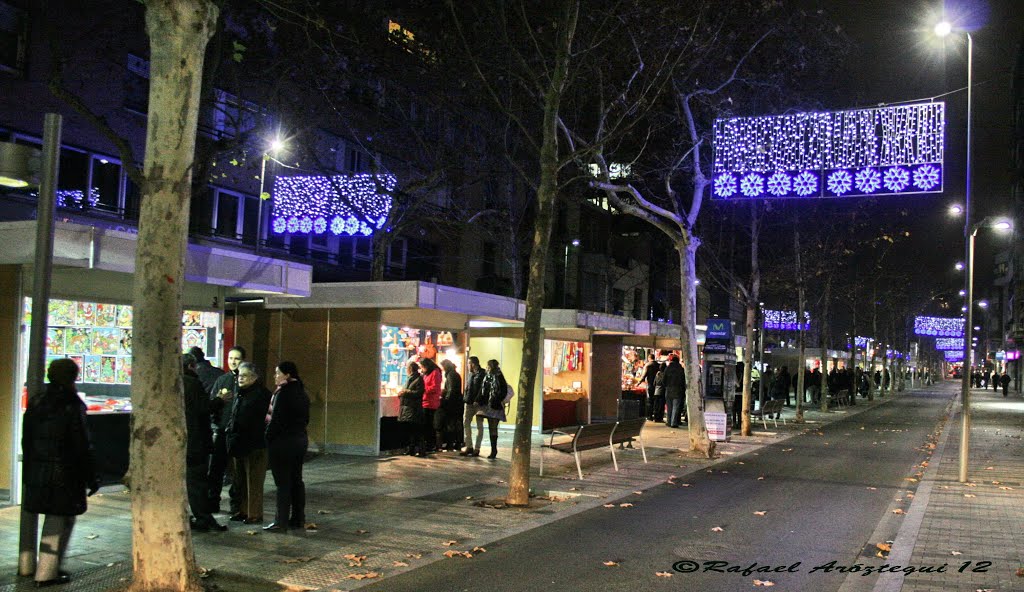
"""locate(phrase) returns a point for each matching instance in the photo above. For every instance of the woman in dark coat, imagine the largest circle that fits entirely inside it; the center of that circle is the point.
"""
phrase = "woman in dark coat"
(451, 410)
(58, 466)
(247, 443)
(410, 410)
(287, 441)
(495, 395)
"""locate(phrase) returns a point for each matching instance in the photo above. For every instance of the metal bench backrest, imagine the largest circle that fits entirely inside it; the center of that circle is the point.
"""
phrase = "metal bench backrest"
(628, 430)
(593, 435)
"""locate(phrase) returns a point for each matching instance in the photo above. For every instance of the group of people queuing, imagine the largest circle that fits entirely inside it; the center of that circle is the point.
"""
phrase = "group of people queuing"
(984, 378)
(253, 429)
(665, 399)
(437, 408)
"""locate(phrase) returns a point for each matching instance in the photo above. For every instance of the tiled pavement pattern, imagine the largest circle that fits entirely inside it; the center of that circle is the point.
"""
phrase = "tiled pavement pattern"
(401, 510)
(988, 526)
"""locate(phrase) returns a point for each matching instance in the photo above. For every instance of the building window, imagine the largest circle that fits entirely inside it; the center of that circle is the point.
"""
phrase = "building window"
(107, 184)
(225, 215)
(232, 116)
(638, 303)
(618, 300)
(13, 39)
(362, 247)
(489, 260)
(251, 219)
(136, 85)
(397, 253)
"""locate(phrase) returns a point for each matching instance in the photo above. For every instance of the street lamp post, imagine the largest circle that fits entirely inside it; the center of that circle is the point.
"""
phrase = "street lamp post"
(942, 29)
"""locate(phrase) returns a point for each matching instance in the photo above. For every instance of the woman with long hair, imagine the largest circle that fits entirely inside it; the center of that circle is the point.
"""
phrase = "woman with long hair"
(287, 441)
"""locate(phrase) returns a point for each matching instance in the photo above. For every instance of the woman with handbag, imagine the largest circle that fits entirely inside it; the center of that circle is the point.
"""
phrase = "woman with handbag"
(495, 394)
(410, 410)
(287, 441)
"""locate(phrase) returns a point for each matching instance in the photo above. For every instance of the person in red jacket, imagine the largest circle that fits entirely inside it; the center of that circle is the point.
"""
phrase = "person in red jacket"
(431, 400)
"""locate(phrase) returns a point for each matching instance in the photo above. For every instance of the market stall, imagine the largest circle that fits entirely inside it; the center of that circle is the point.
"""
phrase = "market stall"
(566, 383)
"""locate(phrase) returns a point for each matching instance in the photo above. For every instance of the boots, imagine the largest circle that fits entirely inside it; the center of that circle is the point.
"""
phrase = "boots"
(466, 452)
(494, 447)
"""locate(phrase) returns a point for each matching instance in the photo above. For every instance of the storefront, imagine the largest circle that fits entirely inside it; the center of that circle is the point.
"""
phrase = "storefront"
(91, 322)
(353, 341)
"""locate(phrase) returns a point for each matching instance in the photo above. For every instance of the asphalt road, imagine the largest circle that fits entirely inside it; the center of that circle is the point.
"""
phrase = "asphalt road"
(823, 494)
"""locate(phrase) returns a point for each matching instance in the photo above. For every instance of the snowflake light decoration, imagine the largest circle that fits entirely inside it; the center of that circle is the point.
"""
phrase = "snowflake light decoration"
(785, 320)
(938, 327)
(861, 341)
(279, 225)
(840, 182)
(896, 179)
(779, 184)
(855, 152)
(752, 185)
(953, 355)
(926, 176)
(805, 184)
(725, 185)
(868, 180)
(949, 343)
(345, 200)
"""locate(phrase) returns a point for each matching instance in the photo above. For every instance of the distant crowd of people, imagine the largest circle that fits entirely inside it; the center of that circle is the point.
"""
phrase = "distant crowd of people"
(984, 378)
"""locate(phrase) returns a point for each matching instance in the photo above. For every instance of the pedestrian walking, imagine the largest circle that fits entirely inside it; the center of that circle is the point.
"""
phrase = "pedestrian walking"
(675, 390)
(649, 374)
(658, 405)
(247, 443)
(222, 394)
(58, 466)
(286, 420)
(473, 398)
(451, 409)
(496, 392)
(198, 443)
(1004, 381)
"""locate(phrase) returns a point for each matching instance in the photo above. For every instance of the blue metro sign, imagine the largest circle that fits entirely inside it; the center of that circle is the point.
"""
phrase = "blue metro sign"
(886, 150)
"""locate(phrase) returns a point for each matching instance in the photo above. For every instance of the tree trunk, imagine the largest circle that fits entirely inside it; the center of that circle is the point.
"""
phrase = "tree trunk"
(547, 193)
(823, 392)
(801, 306)
(380, 244)
(161, 539)
(752, 303)
(699, 440)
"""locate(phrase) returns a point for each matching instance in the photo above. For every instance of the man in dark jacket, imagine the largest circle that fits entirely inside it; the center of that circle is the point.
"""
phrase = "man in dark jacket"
(204, 369)
(675, 390)
(472, 398)
(197, 447)
(222, 394)
(58, 466)
(648, 376)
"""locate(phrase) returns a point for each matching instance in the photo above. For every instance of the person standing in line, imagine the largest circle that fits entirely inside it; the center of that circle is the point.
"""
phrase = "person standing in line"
(286, 422)
(431, 401)
(58, 466)
(222, 393)
(1004, 381)
(204, 369)
(473, 398)
(658, 405)
(246, 442)
(780, 386)
(410, 410)
(649, 374)
(675, 390)
(495, 395)
(198, 443)
(451, 409)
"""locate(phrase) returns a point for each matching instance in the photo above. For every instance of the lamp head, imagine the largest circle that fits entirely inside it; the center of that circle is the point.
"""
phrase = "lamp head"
(575, 242)
(1003, 225)
(943, 29)
(959, 266)
(983, 303)
(956, 210)
(276, 145)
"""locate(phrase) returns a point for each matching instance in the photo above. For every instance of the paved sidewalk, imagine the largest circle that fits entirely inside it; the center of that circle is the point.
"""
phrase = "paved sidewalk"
(397, 511)
(982, 520)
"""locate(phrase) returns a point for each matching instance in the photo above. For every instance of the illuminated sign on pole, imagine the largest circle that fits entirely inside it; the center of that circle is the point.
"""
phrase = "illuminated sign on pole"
(886, 150)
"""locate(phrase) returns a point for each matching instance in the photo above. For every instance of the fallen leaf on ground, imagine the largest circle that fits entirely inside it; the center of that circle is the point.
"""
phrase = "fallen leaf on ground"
(663, 574)
(872, 488)
(1020, 572)
(684, 484)
(609, 505)
(478, 550)
(414, 555)
(574, 489)
(298, 560)
(996, 482)
(450, 543)
(884, 547)
(764, 583)
(361, 531)
(399, 564)
(610, 564)
(956, 553)
(465, 554)
(355, 560)
(92, 536)
(626, 505)
(310, 526)
(971, 484)
(1005, 488)
(250, 532)
(363, 576)
(761, 478)
(760, 513)
(638, 493)
(324, 512)
(969, 495)
(469, 497)
(990, 468)
(787, 450)
(717, 529)
(911, 479)
(898, 511)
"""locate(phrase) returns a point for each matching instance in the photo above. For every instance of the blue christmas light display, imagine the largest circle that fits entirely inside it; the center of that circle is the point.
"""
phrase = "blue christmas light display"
(785, 320)
(953, 355)
(342, 204)
(938, 327)
(862, 341)
(887, 150)
(949, 344)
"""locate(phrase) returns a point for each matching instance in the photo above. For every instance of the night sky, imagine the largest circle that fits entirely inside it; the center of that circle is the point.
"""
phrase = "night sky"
(895, 58)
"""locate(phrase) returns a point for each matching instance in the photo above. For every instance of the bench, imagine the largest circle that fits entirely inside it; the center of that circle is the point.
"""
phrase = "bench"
(771, 407)
(596, 435)
(841, 398)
